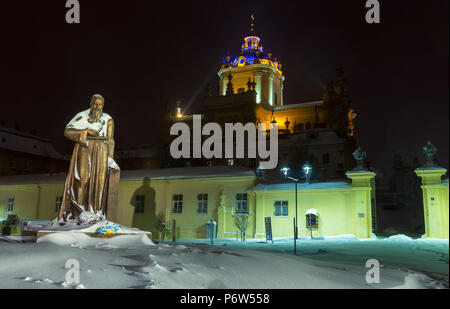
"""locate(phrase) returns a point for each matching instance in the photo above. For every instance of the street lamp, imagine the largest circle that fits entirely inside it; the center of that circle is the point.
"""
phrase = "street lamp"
(307, 168)
(285, 171)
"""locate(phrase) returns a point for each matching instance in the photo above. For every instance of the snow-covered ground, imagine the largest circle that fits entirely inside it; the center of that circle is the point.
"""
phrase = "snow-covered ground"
(136, 262)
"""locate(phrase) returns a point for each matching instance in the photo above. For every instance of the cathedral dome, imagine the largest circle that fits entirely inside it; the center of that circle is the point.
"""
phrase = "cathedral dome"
(252, 52)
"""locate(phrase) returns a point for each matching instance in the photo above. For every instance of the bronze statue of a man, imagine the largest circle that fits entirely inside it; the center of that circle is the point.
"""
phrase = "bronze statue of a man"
(93, 178)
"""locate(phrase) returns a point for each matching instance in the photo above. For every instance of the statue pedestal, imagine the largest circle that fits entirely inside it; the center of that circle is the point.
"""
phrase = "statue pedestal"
(95, 235)
(102, 229)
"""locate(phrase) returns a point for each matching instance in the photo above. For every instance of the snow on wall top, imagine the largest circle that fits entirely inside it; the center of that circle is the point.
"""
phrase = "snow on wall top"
(302, 186)
(15, 140)
(312, 212)
(188, 172)
(141, 175)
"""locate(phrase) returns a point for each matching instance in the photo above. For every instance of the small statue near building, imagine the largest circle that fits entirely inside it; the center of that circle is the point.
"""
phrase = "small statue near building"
(429, 150)
(360, 158)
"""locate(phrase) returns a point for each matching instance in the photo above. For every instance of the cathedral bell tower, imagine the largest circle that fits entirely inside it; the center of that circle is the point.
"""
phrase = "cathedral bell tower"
(255, 65)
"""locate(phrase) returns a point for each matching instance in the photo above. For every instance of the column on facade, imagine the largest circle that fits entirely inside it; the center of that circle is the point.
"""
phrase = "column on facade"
(221, 216)
(260, 227)
(223, 85)
(270, 95)
(258, 88)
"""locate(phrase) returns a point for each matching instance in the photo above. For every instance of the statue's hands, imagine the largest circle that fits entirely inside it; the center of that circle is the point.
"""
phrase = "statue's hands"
(91, 132)
(82, 139)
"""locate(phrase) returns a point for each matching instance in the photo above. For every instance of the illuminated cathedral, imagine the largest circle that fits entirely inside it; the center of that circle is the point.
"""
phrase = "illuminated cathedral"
(251, 91)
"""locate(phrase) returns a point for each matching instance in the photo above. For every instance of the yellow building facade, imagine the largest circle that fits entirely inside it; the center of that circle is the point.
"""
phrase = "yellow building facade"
(195, 196)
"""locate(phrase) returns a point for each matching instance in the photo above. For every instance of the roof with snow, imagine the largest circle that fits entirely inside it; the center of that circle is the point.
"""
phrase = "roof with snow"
(302, 186)
(141, 175)
(16, 140)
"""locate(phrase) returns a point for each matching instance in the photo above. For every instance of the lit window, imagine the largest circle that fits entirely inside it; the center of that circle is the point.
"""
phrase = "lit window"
(281, 209)
(58, 203)
(10, 204)
(139, 205)
(177, 204)
(241, 203)
(202, 203)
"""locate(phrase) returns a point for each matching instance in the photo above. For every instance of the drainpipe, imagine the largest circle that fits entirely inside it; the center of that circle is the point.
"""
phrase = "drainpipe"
(38, 200)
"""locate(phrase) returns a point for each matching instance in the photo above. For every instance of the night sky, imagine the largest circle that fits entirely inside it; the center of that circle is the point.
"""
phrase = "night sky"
(142, 56)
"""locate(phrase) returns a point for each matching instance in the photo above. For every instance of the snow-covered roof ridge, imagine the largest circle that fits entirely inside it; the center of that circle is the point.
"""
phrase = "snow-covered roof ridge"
(11, 139)
(141, 175)
(32, 179)
(188, 172)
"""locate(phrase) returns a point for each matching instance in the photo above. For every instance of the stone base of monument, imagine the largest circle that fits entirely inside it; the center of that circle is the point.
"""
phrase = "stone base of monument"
(39, 234)
(103, 229)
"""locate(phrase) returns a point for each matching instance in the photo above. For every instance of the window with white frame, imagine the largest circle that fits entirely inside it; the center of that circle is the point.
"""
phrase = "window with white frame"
(202, 203)
(177, 206)
(58, 202)
(10, 204)
(241, 203)
(139, 204)
(281, 209)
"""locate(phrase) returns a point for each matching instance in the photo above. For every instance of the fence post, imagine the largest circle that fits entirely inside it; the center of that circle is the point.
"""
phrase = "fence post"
(174, 230)
(211, 228)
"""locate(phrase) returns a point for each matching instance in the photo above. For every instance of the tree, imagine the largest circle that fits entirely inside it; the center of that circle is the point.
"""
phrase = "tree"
(162, 224)
(241, 223)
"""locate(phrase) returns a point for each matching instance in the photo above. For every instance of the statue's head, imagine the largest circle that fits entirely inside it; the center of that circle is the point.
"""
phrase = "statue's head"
(97, 103)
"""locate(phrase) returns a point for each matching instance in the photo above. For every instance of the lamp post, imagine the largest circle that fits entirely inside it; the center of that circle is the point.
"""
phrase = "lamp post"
(285, 171)
(307, 168)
